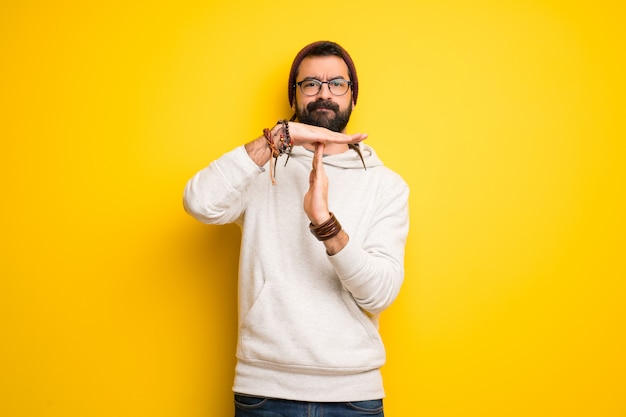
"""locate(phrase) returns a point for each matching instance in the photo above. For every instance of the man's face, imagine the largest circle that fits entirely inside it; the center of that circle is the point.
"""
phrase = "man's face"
(323, 109)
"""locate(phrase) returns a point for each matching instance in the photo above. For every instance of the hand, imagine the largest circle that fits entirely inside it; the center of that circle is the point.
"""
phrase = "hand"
(316, 198)
(303, 134)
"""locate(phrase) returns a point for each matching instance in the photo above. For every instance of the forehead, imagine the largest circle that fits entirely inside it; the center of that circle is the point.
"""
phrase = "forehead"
(323, 67)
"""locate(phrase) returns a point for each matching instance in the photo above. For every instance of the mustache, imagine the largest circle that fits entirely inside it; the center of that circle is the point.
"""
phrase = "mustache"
(321, 104)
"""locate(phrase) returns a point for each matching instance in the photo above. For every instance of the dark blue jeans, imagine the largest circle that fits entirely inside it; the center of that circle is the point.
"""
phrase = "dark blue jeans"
(248, 406)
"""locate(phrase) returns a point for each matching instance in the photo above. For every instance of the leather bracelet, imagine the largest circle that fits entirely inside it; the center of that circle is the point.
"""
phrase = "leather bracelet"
(327, 230)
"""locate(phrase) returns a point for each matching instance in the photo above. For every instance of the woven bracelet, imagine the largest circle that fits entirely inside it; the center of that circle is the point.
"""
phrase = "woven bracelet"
(270, 143)
(327, 230)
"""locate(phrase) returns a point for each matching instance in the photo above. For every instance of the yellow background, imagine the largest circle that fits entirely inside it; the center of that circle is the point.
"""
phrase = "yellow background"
(506, 118)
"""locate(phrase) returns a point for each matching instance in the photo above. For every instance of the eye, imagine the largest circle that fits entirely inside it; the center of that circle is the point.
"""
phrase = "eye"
(337, 83)
(310, 84)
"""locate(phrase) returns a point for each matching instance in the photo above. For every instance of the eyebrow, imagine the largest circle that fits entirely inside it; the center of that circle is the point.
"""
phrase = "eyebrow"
(339, 77)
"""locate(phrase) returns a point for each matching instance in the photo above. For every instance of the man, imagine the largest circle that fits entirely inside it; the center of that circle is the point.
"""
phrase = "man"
(322, 251)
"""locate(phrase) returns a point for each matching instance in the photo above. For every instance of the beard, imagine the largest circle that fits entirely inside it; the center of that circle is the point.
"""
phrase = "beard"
(334, 119)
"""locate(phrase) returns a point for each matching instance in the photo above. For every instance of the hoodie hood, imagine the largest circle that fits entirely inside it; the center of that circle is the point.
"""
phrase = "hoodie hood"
(347, 160)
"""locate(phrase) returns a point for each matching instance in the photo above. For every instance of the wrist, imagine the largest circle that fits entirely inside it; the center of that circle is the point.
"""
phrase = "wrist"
(277, 148)
(258, 151)
(318, 220)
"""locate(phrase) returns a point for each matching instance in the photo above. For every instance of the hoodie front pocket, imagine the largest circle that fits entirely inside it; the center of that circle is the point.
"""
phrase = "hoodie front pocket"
(316, 331)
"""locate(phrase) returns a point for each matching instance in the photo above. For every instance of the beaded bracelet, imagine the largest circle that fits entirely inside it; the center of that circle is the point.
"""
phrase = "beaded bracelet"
(327, 230)
(285, 140)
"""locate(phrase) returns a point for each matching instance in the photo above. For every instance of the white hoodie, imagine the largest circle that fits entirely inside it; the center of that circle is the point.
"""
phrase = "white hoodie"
(308, 322)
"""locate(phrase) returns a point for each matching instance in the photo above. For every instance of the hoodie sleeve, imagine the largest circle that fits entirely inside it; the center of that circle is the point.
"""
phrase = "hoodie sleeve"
(374, 271)
(216, 194)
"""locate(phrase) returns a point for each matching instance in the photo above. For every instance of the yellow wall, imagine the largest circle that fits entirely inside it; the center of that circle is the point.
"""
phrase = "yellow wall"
(505, 117)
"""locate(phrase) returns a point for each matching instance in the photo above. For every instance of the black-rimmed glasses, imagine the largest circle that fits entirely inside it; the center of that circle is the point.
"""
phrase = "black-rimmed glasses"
(311, 87)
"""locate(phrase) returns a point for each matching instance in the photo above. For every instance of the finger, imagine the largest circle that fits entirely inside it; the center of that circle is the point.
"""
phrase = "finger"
(358, 137)
(310, 134)
(327, 136)
(345, 138)
(314, 159)
(318, 161)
